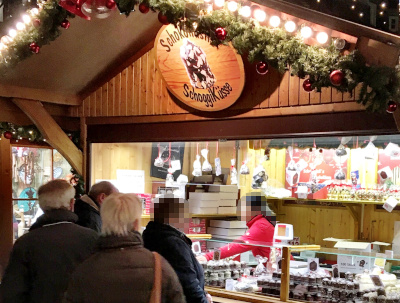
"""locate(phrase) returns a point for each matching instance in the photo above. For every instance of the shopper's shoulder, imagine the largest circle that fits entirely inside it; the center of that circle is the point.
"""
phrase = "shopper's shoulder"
(84, 231)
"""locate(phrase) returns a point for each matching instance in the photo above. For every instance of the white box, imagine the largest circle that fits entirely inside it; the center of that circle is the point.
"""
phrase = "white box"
(203, 203)
(225, 196)
(390, 204)
(204, 210)
(228, 223)
(226, 202)
(204, 196)
(226, 231)
(226, 210)
(223, 188)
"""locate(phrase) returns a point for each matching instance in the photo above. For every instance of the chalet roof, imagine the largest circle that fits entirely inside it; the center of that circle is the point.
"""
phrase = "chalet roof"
(87, 53)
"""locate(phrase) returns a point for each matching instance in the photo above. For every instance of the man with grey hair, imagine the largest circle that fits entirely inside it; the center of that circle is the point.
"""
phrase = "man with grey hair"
(43, 260)
(88, 206)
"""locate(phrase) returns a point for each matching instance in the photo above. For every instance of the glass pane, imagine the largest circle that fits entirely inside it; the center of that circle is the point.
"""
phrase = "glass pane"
(61, 167)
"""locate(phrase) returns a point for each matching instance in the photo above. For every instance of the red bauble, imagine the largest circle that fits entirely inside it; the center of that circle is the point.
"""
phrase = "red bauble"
(321, 150)
(7, 135)
(163, 19)
(262, 67)
(36, 22)
(392, 106)
(307, 85)
(110, 4)
(220, 32)
(65, 24)
(144, 8)
(336, 77)
(34, 48)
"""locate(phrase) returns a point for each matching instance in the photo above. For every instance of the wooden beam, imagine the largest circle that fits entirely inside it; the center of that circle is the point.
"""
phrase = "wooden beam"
(6, 211)
(284, 295)
(52, 132)
(11, 91)
(344, 26)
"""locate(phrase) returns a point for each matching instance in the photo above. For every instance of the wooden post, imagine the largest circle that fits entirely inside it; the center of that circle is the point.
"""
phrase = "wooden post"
(52, 132)
(83, 139)
(285, 274)
(6, 211)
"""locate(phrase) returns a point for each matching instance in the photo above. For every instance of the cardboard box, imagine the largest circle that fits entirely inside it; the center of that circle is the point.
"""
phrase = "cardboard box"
(196, 222)
(204, 210)
(226, 210)
(223, 188)
(202, 196)
(203, 203)
(228, 223)
(226, 231)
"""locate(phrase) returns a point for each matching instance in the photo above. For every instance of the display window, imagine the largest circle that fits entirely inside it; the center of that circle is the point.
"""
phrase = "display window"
(31, 168)
(325, 227)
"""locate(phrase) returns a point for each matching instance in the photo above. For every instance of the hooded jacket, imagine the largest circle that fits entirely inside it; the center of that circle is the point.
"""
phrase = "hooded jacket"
(174, 246)
(88, 212)
(120, 271)
(43, 260)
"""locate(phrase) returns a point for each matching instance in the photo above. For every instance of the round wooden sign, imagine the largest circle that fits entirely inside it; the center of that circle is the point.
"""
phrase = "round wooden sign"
(200, 75)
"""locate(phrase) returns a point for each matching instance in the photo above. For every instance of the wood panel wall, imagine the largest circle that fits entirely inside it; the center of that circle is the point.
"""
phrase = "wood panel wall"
(139, 90)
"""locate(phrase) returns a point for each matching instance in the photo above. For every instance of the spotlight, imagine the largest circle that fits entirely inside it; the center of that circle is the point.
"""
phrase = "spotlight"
(259, 15)
(290, 26)
(245, 11)
(306, 32)
(274, 21)
(232, 6)
(322, 37)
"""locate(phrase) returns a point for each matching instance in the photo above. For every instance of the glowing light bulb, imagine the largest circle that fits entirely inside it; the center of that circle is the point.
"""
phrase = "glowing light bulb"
(2, 46)
(219, 3)
(383, 4)
(245, 11)
(381, 13)
(34, 11)
(5, 39)
(260, 15)
(322, 37)
(12, 33)
(353, 7)
(275, 21)
(361, 14)
(290, 26)
(20, 26)
(232, 6)
(26, 19)
(306, 32)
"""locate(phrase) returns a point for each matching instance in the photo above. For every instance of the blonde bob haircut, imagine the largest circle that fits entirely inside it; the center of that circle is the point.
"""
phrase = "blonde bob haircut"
(119, 212)
(56, 194)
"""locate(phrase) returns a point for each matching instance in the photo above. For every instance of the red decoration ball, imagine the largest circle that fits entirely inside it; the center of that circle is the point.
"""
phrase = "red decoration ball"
(110, 4)
(144, 8)
(220, 32)
(336, 77)
(36, 22)
(65, 24)
(163, 19)
(321, 150)
(7, 135)
(34, 48)
(262, 67)
(307, 85)
(392, 106)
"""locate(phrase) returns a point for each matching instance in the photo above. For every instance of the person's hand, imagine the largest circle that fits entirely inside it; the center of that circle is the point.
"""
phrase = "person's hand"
(209, 298)
(201, 258)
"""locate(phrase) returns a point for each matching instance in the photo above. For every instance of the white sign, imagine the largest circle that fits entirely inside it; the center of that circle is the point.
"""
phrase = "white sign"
(352, 264)
(130, 181)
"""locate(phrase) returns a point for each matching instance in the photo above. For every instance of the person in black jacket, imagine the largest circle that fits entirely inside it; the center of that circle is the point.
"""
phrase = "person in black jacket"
(162, 235)
(43, 260)
(88, 206)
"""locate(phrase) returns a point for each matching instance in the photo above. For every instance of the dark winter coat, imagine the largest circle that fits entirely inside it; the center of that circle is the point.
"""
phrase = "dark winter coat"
(43, 260)
(121, 271)
(174, 246)
(88, 212)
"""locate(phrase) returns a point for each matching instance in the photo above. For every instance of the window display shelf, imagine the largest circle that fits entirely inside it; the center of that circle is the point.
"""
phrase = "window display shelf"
(327, 201)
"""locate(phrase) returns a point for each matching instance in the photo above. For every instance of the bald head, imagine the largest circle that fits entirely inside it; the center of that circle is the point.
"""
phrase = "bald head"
(101, 190)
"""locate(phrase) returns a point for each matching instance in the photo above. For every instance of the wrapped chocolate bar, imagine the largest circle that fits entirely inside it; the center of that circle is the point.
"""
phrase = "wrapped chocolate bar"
(195, 62)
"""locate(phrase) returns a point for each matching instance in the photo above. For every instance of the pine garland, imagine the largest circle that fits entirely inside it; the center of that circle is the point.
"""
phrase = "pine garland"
(281, 50)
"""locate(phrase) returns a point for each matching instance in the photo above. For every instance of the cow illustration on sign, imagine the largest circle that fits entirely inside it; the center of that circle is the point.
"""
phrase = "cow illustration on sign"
(195, 61)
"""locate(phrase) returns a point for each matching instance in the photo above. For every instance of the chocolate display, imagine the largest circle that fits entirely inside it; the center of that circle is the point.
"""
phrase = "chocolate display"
(195, 62)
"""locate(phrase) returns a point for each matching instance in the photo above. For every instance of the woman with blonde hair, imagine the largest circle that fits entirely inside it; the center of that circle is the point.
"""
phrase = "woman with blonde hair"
(122, 270)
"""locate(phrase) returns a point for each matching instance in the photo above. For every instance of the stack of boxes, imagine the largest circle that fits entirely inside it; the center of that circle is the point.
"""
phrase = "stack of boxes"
(227, 230)
(220, 199)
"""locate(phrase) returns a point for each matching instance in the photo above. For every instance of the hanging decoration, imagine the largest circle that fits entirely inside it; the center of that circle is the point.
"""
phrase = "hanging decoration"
(217, 161)
(197, 164)
(307, 85)
(262, 68)
(281, 48)
(206, 167)
(391, 108)
(8, 135)
(144, 8)
(65, 24)
(336, 77)
(34, 48)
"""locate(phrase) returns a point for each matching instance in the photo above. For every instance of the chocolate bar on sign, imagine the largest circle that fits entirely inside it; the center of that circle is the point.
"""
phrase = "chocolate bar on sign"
(195, 61)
